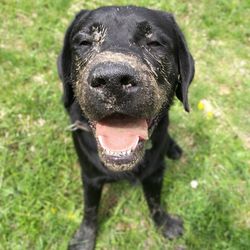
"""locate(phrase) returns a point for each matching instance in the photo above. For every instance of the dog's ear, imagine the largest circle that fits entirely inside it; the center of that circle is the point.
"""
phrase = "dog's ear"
(64, 61)
(185, 64)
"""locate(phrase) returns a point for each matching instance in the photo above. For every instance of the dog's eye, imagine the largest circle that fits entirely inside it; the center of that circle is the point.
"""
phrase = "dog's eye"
(85, 43)
(154, 44)
(83, 40)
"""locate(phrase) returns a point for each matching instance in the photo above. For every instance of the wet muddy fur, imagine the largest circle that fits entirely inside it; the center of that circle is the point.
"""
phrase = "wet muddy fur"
(124, 62)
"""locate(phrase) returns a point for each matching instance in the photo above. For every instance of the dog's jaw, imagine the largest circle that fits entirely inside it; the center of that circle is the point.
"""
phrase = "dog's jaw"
(121, 158)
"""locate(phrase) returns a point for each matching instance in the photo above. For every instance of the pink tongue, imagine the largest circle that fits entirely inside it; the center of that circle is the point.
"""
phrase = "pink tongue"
(121, 133)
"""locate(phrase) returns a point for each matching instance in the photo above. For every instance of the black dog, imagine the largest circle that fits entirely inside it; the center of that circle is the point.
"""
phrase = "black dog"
(121, 68)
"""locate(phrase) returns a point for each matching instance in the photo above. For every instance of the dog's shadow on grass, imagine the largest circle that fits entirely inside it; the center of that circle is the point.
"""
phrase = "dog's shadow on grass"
(111, 198)
(197, 149)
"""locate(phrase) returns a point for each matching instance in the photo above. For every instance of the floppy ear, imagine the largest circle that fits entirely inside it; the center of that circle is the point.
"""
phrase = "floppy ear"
(64, 61)
(186, 66)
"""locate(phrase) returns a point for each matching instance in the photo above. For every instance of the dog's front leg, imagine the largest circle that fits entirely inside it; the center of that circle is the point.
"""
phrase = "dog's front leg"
(85, 236)
(171, 227)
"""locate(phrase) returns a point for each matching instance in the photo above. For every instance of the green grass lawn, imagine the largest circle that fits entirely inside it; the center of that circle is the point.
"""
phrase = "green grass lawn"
(40, 188)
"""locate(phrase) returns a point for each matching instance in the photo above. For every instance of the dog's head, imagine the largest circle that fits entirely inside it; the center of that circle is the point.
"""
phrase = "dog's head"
(123, 65)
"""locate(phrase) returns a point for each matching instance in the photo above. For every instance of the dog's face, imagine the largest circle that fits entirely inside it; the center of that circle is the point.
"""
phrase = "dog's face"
(124, 65)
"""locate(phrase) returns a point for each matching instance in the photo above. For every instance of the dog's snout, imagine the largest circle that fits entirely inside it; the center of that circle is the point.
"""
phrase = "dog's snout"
(113, 76)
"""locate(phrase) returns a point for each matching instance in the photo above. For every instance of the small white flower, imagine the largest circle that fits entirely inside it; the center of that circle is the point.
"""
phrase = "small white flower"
(41, 122)
(194, 184)
(2, 114)
(39, 78)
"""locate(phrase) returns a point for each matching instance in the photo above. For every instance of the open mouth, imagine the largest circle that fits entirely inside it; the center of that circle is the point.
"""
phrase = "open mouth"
(121, 140)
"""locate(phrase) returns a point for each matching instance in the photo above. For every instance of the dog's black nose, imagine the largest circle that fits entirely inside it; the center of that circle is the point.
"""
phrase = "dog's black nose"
(113, 76)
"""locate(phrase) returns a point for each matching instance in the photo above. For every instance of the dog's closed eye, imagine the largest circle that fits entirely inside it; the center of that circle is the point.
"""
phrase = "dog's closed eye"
(154, 43)
(83, 40)
(85, 43)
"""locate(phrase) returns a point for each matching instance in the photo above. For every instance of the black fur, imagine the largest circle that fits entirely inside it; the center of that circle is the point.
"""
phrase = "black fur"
(150, 170)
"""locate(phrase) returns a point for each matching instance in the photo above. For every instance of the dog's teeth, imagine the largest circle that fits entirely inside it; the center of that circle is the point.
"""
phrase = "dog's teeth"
(118, 153)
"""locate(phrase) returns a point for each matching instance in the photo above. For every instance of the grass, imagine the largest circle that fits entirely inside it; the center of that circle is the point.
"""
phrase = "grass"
(40, 189)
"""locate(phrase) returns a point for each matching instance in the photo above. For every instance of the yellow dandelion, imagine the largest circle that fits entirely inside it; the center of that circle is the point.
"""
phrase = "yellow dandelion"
(201, 105)
(53, 210)
(71, 216)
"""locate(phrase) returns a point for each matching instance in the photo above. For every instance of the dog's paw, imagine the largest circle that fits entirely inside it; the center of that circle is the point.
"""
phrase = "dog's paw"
(174, 151)
(172, 227)
(84, 239)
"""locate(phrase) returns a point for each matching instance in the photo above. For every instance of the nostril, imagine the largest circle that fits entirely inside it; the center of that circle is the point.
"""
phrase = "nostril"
(125, 80)
(128, 84)
(98, 82)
